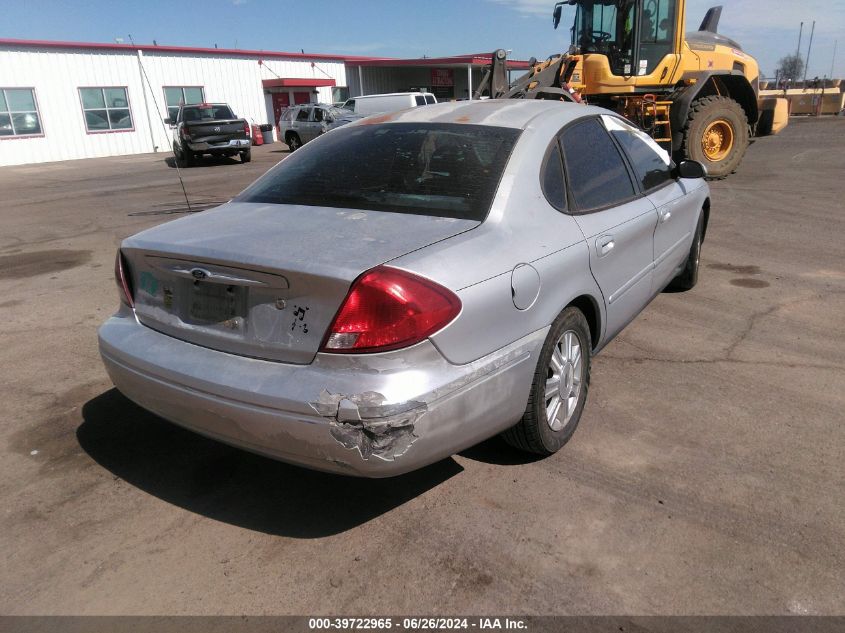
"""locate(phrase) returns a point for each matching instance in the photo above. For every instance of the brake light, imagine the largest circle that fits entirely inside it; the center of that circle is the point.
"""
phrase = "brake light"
(185, 132)
(388, 309)
(246, 128)
(120, 277)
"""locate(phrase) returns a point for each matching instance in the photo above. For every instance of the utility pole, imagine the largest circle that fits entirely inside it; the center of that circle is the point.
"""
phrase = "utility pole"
(809, 48)
(832, 61)
(800, 33)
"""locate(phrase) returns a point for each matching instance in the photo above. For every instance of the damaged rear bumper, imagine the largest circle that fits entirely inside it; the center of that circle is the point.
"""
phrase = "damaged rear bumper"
(369, 415)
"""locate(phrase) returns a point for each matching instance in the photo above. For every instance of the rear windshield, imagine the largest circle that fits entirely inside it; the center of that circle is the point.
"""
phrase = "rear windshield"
(207, 113)
(439, 169)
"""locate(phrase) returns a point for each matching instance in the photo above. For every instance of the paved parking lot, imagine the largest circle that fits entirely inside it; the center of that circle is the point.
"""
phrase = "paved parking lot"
(706, 476)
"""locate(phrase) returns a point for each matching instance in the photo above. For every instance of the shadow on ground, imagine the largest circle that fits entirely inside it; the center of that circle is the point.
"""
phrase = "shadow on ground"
(205, 161)
(497, 452)
(234, 486)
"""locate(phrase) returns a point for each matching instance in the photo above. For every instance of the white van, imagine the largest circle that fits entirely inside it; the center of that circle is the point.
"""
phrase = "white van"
(376, 104)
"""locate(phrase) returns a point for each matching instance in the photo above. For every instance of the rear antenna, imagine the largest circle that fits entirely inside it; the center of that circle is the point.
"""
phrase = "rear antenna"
(175, 162)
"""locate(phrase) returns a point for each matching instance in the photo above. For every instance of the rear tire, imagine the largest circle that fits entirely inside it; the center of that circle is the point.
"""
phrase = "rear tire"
(688, 277)
(246, 156)
(293, 141)
(716, 135)
(181, 157)
(562, 378)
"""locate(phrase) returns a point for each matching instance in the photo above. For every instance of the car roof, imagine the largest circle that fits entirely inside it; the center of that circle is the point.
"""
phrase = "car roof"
(513, 113)
(391, 94)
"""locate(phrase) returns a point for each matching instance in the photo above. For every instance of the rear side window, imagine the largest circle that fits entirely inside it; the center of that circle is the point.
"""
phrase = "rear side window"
(597, 174)
(651, 163)
(438, 169)
(554, 186)
(303, 114)
(430, 99)
(420, 100)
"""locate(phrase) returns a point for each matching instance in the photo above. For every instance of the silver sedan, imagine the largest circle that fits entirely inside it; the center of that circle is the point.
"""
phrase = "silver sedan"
(408, 285)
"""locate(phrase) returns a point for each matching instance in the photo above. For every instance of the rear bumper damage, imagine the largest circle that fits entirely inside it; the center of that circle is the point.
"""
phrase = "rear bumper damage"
(367, 415)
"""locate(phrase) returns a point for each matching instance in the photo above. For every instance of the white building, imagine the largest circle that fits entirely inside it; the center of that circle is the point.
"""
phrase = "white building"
(67, 100)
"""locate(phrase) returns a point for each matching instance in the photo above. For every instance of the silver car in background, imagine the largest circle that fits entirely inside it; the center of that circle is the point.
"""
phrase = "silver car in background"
(302, 123)
(408, 286)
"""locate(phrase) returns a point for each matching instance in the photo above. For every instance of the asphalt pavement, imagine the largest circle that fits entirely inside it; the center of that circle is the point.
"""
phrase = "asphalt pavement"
(706, 476)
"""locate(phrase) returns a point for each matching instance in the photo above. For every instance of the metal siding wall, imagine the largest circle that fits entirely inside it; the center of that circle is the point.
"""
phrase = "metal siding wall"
(378, 80)
(57, 75)
(56, 78)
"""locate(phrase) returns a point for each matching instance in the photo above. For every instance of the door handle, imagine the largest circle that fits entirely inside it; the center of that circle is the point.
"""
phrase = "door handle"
(665, 214)
(605, 244)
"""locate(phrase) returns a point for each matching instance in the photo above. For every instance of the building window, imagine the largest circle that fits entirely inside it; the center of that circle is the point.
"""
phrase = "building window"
(105, 109)
(340, 94)
(176, 96)
(19, 112)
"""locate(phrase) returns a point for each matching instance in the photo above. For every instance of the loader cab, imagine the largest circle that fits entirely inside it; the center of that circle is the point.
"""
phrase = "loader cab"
(634, 35)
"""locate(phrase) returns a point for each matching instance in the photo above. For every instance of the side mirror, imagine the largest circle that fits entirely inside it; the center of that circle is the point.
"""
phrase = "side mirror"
(690, 169)
(328, 119)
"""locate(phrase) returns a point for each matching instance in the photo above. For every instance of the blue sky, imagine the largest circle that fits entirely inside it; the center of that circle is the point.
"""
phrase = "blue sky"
(401, 28)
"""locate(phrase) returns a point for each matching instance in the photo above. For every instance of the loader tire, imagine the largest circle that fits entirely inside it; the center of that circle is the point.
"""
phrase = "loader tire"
(716, 135)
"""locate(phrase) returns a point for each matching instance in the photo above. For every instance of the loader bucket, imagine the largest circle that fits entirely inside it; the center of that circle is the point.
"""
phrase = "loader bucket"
(774, 115)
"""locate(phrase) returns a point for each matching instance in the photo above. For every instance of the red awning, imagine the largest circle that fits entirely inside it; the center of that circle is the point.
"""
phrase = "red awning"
(297, 83)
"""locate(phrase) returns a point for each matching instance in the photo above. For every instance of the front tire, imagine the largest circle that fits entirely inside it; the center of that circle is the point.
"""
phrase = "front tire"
(716, 135)
(559, 389)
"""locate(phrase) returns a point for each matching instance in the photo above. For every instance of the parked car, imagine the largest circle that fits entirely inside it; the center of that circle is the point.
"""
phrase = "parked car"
(303, 123)
(397, 291)
(393, 102)
(209, 128)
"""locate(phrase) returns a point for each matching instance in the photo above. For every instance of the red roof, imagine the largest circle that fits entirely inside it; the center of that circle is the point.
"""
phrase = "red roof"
(479, 59)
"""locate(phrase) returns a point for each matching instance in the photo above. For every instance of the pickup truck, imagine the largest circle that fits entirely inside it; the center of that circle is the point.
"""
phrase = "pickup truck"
(209, 128)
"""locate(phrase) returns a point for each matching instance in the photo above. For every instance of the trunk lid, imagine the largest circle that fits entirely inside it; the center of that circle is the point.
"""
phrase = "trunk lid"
(265, 280)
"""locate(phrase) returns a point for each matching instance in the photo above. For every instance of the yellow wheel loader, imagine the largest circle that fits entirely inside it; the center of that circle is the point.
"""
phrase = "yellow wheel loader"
(695, 93)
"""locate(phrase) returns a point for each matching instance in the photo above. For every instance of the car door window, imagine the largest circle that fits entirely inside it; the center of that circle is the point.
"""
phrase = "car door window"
(303, 115)
(420, 100)
(554, 187)
(597, 174)
(650, 162)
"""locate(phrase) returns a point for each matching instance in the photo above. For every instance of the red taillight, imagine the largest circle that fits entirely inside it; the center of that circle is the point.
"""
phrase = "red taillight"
(246, 128)
(120, 277)
(185, 132)
(387, 309)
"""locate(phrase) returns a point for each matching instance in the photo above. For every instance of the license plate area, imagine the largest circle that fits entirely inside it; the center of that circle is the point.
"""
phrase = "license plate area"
(215, 303)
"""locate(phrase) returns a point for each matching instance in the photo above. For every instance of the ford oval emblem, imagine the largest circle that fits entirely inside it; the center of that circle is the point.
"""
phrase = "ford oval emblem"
(199, 273)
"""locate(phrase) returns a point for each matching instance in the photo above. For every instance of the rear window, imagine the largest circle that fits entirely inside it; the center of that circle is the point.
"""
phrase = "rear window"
(207, 113)
(438, 169)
